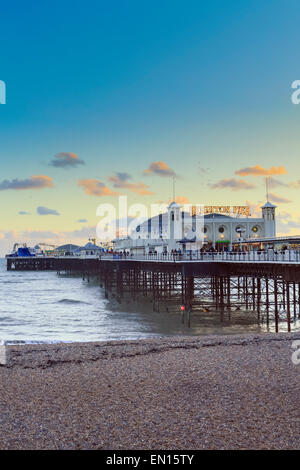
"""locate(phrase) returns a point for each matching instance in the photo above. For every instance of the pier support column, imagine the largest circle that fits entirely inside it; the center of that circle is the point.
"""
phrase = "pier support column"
(228, 293)
(246, 291)
(253, 293)
(119, 285)
(276, 303)
(258, 299)
(221, 280)
(288, 306)
(189, 292)
(299, 300)
(267, 299)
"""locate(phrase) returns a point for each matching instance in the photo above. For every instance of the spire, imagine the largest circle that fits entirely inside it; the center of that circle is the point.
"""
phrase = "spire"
(174, 188)
(267, 188)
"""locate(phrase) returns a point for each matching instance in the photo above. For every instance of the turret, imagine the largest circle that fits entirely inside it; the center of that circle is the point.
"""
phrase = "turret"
(268, 214)
(174, 224)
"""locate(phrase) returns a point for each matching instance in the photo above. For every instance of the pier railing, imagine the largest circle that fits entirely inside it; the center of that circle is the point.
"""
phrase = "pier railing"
(288, 256)
(250, 256)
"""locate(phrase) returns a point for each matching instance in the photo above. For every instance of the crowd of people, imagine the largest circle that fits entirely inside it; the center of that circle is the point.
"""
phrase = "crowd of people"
(178, 253)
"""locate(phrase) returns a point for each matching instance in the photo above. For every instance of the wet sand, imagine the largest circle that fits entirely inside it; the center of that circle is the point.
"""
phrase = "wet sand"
(211, 392)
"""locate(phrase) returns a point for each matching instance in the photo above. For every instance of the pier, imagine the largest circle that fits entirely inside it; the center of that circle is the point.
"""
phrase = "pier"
(267, 285)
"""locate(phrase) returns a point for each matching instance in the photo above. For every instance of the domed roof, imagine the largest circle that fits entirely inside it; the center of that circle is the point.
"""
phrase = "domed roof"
(268, 204)
(174, 205)
(91, 246)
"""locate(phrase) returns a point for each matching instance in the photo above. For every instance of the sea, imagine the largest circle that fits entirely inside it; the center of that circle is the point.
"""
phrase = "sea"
(43, 307)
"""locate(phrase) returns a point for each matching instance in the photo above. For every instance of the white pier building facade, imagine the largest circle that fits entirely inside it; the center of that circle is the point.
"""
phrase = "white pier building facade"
(217, 227)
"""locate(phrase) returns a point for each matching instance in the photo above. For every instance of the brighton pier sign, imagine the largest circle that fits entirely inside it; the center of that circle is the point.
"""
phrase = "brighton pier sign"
(235, 210)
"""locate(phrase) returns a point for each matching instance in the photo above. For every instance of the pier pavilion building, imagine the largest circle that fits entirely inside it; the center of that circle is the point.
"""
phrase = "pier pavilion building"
(218, 227)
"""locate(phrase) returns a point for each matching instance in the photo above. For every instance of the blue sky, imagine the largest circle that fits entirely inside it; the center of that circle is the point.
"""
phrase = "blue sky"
(196, 85)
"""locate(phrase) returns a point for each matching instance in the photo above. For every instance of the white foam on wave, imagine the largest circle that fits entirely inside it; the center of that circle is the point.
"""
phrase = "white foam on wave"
(11, 342)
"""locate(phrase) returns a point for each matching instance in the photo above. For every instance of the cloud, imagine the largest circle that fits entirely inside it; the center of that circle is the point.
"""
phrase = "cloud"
(287, 223)
(182, 200)
(121, 226)
(82, 221)
(233, 183)
(34, 182)
(66, 160)
(31, 237)
(294, 184)
(274, 183)
(122, 176)
(94, 187)
(159, 168)
(24, 213)
(255, 208)
(41, 210)
(285, 216)
(280, 200)
(258, 170)
(120, 180)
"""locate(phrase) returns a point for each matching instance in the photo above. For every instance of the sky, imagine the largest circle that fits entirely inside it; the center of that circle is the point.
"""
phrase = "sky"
(121, 98)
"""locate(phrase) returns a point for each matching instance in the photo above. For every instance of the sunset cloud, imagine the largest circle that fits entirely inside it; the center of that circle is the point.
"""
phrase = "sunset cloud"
(255, 208)
(66, 160)
(120, 180)
(274, 183)
(232, 183)
(280, 200)
(34, 182)
(94, 187)
(258, 170)
(159, 168)
(295, 184)
(287, 223)
(122, 176)
(41, 210)
(182, 200)
(7, 238)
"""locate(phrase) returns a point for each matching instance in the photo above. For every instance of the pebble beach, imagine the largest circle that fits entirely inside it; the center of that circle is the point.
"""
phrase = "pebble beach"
(208, 392)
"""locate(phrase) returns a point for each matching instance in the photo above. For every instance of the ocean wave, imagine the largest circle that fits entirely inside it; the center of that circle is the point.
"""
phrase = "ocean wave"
(6, 319)
(72, 301)
(12, 282)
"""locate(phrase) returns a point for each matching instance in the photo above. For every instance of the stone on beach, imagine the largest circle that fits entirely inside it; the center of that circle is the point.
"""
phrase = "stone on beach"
(216, 392)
